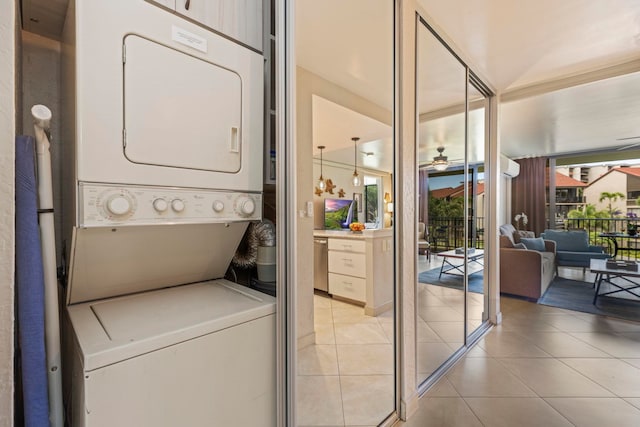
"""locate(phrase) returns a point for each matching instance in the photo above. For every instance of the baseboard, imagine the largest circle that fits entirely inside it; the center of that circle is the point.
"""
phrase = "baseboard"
(375, 311)
(409, 407)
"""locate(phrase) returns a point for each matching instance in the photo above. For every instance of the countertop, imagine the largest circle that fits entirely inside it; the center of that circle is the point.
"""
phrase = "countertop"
(347, 234)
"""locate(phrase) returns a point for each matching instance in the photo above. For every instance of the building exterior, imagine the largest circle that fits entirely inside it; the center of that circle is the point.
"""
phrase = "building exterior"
(625, 180)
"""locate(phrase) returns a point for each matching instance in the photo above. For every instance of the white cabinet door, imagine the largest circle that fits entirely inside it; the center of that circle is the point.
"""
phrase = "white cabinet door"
(239, 19)
(354, 288)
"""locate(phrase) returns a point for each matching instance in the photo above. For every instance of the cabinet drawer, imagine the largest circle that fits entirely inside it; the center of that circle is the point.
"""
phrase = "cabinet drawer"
(348, 287)
(347, 263)
(347, 245)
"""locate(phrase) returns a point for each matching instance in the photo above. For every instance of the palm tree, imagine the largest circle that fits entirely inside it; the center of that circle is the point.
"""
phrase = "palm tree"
(611, 197)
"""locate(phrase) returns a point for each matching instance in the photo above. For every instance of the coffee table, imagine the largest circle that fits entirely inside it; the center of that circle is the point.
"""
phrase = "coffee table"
(599, 266)
(447, 267)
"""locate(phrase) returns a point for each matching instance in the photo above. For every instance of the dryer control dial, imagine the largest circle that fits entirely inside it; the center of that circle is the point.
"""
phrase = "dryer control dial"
(119, 205)
(177, 205)
(218, 206)
(160, 205)
(245, 205)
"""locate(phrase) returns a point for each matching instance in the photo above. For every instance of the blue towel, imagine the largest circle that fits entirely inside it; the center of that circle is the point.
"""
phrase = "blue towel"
(30, 287)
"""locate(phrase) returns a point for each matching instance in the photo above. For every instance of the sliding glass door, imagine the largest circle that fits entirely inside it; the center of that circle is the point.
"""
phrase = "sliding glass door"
(452, 115)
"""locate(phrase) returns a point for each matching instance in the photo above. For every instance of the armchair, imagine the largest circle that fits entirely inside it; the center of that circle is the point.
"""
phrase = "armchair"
(423, 241)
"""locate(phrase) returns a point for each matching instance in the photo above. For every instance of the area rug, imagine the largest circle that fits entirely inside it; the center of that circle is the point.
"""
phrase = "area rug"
(578, 296)
(452, 281)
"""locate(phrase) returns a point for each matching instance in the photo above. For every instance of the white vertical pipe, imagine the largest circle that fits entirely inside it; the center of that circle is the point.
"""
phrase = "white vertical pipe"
(42, 117)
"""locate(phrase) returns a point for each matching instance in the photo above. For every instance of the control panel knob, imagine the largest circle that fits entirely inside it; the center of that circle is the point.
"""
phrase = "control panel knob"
(160, 205)
(177, 205)
(218, 206)
(119, 205)
(245, 205)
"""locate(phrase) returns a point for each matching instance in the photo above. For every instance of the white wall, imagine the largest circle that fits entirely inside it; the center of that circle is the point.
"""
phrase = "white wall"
(7, 208)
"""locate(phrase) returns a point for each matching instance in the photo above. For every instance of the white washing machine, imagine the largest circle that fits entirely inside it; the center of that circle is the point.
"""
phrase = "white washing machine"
(163, 161)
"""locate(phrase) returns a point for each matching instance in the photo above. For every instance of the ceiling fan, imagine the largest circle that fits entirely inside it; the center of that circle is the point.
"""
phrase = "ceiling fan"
(626, 147)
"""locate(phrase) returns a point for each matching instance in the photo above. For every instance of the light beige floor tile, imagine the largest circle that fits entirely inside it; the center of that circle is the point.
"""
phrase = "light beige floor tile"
(510, 344)
(521, 412)
(369, 359)
(442, 388)
(552, 378)
(597, 412)
(386, 317)
(321, 301)
(633, 362)
(367, 399)
(322, 316)
(615, 345)
(427, 299)
(318, 360)
(359, 333)
(562, 344)
(571, 323)
(485, 377)
(615, 375)
(441, 314)
(448, 331)
(475, 312)
(425, 333)
(324, 333)
(353, 314)
(319, 401)
(635, 401)
(430, 356)
(389, 330)
(476, 351)
(443, 412)
(524, 325)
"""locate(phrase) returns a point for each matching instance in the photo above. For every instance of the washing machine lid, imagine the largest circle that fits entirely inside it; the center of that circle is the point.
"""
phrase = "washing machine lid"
(113, 261)
(109, 331)
(179, 110)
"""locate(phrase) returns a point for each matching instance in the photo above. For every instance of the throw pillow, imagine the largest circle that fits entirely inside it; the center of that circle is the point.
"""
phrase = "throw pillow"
(520, 246)
(535, 244)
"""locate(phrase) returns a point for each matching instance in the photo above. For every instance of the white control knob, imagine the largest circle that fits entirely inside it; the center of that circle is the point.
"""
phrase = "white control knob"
(160, 205)
(119, 205)
(177, 205)
(246, 206)
(218, 206)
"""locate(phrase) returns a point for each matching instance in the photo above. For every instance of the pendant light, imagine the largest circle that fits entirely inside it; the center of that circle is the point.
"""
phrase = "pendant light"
(356, 179)
(321, 184)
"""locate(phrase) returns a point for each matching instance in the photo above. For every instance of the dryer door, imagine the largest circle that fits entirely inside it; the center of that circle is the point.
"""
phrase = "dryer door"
(180, 111)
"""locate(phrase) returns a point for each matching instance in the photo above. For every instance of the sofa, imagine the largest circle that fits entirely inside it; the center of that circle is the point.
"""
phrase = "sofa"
(423, 241)
(573, 248)
(525, 272)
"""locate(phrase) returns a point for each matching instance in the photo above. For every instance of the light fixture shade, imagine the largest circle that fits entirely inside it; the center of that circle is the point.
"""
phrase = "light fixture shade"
(440, 162)
(321, 184)
(355, 180)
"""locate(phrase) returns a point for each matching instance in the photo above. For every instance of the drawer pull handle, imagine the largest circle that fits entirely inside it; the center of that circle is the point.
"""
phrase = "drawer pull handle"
(187, 4)
(349, 260)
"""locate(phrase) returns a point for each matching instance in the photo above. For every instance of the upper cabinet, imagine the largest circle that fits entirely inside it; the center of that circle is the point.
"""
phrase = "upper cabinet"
(239, 19)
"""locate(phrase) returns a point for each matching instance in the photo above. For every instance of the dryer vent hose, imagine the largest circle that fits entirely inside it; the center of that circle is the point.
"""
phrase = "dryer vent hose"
(257, 234)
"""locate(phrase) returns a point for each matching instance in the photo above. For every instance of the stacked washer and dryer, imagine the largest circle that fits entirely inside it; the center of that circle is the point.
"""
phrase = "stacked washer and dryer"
(163, 162)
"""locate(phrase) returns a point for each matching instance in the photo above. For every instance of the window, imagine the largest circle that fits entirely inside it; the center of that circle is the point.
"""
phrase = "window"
(371, 203)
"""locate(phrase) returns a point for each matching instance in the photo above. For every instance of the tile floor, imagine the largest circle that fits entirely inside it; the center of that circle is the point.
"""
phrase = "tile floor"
(346, 378)
(543, 366)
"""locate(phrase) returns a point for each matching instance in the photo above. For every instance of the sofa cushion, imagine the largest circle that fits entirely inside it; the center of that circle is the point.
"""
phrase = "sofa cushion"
(520, 246)
(535, 244)
(575, 241)
(509, 231)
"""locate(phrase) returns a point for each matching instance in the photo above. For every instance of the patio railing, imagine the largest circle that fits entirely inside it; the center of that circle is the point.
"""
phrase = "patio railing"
(448, 233)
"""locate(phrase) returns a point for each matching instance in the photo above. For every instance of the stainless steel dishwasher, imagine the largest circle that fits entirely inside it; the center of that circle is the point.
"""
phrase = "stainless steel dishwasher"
(320, 265)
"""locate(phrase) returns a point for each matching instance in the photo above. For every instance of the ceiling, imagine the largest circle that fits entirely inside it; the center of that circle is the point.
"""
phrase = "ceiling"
(568, 72)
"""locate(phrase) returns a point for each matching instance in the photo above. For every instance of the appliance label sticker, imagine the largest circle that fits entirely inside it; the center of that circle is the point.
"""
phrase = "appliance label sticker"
(189, 39)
